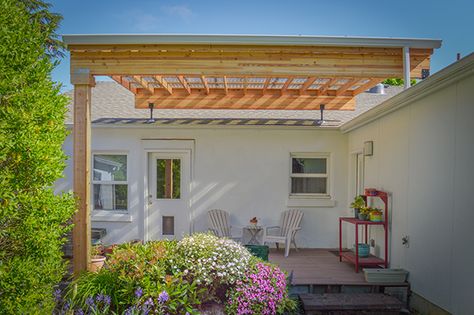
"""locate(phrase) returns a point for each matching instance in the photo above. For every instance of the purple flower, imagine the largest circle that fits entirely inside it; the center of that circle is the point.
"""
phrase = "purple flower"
(107, 299)
(90, 301)
(79, 312)
(57, 295)
(163, 297)
(66, 306)
(138, 292)
(99, 298)
(149, 302)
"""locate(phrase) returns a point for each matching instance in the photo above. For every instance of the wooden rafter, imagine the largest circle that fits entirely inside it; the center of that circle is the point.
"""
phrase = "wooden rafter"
(204, 82)
(244, 84)
(266, 84)
(145, 84)
(164, 84)
(366, 86)
(185, 84)
(286, 85)
(307, 84)
(345, 86)
(327, 85)
(126, 84)
(226, 90)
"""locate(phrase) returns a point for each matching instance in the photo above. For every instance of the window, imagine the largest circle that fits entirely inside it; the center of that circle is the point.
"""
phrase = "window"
(168, 179)
(309, 174)
(110, 187)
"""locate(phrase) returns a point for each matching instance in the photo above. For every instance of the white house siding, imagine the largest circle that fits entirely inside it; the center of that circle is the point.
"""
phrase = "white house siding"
(243, 170)
(424, 155)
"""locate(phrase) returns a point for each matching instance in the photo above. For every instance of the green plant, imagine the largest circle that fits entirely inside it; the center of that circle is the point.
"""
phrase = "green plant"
(358, 202)
(212, 262)
(367, 210)
(397, 82)
(33, 219)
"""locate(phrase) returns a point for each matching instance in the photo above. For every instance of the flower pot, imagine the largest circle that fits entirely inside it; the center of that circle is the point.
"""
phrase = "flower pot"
(375, 216)
(364, 250)
(362, 216)
(356, 213)
(371, 192)
(97, 261)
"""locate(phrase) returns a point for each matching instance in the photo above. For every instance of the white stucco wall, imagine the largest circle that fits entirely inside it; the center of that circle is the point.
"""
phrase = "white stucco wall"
(423, 155)
(243, 170)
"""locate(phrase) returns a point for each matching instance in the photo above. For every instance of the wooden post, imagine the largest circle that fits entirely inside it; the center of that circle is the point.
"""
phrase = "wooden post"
(81, 234)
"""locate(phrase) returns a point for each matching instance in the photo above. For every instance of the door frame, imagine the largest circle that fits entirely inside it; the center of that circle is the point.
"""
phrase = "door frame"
(150, 146)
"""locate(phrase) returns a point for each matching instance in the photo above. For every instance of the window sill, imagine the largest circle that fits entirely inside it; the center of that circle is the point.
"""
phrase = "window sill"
(110, 216)
(311, 202)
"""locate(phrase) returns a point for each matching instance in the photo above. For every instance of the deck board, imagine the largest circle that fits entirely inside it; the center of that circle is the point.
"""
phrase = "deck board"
(317, 267)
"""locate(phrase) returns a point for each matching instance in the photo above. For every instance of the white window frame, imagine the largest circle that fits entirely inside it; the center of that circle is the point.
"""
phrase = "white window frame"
(327, 175)
(101, 212)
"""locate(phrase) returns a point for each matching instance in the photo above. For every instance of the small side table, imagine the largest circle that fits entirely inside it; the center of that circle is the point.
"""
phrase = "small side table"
(252, 235)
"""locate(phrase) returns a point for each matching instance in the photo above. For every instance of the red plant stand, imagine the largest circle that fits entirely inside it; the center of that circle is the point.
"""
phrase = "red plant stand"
(354, 257)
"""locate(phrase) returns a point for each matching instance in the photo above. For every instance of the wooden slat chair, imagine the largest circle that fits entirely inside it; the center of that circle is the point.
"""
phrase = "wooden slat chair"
(290, 223)
(219, 224)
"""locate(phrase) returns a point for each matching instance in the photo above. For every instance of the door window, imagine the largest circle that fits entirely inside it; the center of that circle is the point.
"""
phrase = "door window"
(168, 179)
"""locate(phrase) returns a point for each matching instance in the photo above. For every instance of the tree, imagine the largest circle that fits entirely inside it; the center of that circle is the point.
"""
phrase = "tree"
(33, 220)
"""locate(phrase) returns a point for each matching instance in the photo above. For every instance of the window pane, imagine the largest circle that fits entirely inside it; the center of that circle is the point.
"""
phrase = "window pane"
(309, 165)
(168, 178)
(110, 167)
(308, 185)
(110, 197)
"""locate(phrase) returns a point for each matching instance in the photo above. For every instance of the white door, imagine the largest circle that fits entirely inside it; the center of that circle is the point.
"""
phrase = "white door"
(168, 200)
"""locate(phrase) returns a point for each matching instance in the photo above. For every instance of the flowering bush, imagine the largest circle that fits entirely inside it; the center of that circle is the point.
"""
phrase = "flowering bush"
(263, 291)
(170, 277)
(211, 260)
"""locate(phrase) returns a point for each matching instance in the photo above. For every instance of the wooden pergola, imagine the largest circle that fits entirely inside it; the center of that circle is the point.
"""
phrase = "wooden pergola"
(227, 72)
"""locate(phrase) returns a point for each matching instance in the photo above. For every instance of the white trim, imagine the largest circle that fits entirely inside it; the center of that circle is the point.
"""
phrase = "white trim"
(449, 75)
(99, 213)
(261, 40)
(327, 175)
(110, 216)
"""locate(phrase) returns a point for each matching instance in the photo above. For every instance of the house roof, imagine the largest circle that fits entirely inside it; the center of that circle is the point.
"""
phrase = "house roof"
(112, 104)
(215, 39)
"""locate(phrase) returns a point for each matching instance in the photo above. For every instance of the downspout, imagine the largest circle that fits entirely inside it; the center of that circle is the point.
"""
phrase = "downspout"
(406, 67)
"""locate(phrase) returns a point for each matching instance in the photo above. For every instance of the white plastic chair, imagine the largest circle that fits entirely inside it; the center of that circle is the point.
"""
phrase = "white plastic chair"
(219, 224)
(290, 223)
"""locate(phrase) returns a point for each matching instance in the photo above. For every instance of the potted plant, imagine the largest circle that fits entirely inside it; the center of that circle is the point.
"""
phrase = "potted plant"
(358, 203)
(97, 258)
(375, 215)
(364, 213)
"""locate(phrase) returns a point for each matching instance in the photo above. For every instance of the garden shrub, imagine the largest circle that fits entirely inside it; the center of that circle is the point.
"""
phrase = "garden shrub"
(33, 220)
(170, 277)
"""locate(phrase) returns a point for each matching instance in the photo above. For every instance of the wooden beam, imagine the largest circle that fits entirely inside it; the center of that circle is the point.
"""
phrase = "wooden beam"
(266, 84)
(235, 99)
(164, 84)
(307, 84)
(185, 84)
(81, 233)
(143, 83)
(287, 83)
(342, 89)
(366, 86)
(235, 60)
(226, 90)
(168, 178)
(120, 79)
(204, 82)
(244, 84)
(327, 85)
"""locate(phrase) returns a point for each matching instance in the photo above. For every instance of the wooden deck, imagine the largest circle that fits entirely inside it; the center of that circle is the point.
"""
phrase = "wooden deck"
(317, 267)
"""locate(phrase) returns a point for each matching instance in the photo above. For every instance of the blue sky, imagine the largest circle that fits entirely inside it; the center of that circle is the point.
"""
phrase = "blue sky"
(451, 21)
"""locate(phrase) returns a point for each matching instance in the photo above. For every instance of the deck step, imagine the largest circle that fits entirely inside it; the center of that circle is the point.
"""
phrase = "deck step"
(350, 303)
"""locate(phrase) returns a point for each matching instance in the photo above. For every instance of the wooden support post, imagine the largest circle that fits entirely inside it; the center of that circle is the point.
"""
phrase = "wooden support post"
(406, 67)
(81, 234)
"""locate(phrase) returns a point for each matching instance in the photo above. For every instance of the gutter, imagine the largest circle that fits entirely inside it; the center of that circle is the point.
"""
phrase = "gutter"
(447, 76)
(283, 40)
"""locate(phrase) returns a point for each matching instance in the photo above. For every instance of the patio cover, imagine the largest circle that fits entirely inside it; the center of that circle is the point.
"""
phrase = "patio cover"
(228, 72)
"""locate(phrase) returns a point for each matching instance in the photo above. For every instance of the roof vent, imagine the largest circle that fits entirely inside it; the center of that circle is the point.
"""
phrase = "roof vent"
(378, 89)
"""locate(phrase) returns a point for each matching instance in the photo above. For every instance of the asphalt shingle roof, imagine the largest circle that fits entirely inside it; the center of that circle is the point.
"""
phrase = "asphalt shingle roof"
(112, 103)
